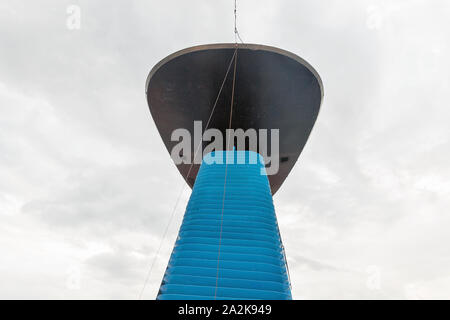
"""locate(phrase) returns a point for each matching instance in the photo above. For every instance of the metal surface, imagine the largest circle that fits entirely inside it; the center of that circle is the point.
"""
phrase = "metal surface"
(229, 245)
(275, 89)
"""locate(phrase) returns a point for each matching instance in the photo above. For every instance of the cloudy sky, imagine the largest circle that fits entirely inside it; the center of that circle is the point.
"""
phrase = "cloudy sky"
(87, 186)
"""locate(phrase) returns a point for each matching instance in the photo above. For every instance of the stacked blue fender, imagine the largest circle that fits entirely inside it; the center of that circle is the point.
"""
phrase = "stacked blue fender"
(251, 262)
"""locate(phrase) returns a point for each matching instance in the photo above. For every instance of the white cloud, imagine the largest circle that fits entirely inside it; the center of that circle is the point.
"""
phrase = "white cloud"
(86, 185)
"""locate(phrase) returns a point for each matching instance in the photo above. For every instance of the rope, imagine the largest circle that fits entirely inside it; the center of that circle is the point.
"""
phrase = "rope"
(161, 243)
(236, 32)
(185, 178)
(226, 169)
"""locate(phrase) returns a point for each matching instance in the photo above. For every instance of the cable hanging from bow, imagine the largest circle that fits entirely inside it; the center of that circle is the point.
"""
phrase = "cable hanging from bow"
(236, 32)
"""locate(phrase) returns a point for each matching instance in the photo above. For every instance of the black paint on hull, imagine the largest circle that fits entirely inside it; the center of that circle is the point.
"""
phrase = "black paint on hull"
(275, 89)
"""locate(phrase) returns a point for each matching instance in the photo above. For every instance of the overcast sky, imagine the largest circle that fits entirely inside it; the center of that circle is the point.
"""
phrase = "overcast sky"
(87, 186)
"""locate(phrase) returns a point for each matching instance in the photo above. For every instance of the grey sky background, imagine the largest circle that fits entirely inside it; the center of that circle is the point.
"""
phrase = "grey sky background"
(87, 186)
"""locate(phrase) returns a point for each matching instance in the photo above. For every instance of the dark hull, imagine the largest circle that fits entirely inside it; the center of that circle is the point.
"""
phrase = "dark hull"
(274, 89)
